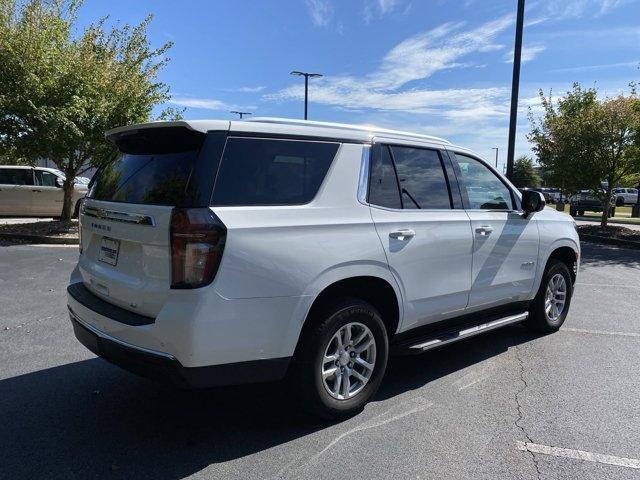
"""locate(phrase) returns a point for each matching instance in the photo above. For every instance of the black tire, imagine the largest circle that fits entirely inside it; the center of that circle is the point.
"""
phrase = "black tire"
(76, 209)
(572, 211)
(580, 213)
(306, 381)
(538, 319)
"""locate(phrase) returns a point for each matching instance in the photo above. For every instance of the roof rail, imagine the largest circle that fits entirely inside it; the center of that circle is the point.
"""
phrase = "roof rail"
(345, 126)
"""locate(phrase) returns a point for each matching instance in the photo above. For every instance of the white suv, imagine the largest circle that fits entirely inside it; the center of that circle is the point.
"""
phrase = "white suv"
(218, 252)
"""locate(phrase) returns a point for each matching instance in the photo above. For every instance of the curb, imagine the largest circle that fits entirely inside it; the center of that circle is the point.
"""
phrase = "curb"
(610, 241)
(41, 239)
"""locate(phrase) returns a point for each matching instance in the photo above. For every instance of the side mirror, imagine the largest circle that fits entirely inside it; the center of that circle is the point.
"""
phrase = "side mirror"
(532, 202)
(59, 182)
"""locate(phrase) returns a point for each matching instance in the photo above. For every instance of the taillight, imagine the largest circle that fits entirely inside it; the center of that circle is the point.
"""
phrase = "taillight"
(197, 242)
(80, 213)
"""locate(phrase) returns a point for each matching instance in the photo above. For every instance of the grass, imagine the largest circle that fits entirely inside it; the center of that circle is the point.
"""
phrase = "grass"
(623, 215)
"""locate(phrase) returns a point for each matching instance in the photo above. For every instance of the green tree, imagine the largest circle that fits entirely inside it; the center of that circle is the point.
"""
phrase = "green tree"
(587, 143)
(524, 173)
(60, 91)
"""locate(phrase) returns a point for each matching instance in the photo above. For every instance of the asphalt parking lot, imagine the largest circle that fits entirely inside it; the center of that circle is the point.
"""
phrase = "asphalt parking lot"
(508, 404)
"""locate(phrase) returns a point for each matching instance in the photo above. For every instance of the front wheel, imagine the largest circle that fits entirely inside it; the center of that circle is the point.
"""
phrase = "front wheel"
(551, 305)
(341, 360)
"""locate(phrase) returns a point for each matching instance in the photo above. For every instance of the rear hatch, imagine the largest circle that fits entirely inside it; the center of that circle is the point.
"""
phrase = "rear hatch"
(126, 218)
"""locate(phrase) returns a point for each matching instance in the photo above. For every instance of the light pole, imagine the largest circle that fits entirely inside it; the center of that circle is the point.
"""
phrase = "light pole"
(515, 85)
(496, 149)
(242, 114)
(306, 76)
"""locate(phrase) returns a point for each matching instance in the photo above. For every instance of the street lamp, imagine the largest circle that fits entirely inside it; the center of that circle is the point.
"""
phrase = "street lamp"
(242, 114)
(515, 85)
(496, 149)
(306, 76)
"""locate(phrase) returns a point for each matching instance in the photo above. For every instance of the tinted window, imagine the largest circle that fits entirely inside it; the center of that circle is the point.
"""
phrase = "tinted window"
(16, 176)
(271, 172)
(383, 186)
(483, 188)
(161, 166)
(421, 178)
(45, 179)
(149, 179)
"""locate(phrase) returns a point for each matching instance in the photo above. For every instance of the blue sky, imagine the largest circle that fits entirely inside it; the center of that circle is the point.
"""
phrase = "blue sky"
(440, 67)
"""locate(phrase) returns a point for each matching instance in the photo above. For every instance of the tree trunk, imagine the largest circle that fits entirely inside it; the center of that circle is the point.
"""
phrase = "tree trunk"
(67, 207)
(606, 205)
(605, 217)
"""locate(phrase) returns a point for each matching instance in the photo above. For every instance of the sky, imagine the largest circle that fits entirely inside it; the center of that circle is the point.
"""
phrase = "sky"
(438, 67)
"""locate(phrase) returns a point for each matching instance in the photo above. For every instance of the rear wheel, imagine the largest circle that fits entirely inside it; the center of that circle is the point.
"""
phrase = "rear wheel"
(572, 211)
(549, 309)
(341, 360)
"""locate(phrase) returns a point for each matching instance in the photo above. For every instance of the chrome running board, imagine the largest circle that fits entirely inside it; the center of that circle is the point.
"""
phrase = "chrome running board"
(445, 338)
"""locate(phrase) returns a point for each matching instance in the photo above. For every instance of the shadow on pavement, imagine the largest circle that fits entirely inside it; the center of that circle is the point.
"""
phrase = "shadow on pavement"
(91, 420)
(601, 255)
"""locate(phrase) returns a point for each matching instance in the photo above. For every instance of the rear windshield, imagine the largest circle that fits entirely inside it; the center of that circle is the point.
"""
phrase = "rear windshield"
(257, 171)
(160, 167)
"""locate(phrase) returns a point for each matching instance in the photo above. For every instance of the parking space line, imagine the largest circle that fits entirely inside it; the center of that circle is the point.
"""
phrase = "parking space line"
(600, 332)
(471, 384)
(578, 455)
(612, 285)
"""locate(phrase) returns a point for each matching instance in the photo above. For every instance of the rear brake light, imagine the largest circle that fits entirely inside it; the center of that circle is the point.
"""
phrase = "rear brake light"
(80, 213)
(197, 243)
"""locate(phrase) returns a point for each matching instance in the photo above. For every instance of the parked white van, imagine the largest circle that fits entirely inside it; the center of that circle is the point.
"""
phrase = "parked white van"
(35, 192)
(217, 252)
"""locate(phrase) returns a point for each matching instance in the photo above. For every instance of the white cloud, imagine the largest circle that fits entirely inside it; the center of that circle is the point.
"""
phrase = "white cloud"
(414, 59)
(381, 8)
(387, 6)
(588, 68)
(259, 88)
(529, 52)
(321, 12)
(560, 9)
(207, 104)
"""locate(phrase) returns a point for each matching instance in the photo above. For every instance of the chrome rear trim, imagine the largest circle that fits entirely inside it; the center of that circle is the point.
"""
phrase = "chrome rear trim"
(103, 214)
(108, 337)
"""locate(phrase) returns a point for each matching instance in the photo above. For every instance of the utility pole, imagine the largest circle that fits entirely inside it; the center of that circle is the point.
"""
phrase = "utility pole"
(306, 76)
(496, 149)
(515, 86)
(242, 114)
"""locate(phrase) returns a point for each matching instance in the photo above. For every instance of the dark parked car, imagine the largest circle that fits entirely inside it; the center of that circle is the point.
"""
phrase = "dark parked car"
(585, 200)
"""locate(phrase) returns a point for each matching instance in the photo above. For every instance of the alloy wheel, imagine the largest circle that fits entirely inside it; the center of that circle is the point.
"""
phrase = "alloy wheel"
(555, 297)
(349, 360)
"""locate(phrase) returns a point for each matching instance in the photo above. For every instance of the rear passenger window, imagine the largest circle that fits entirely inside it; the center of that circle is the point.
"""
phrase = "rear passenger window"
(421, 178)
(271, 172)
(16, 176)
(383, 189)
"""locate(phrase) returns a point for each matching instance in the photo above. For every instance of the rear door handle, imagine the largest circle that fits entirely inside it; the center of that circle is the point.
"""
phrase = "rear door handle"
(402, 234)
(484, 230)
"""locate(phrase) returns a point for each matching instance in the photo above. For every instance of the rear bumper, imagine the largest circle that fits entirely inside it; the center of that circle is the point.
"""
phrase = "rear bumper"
(166, 368)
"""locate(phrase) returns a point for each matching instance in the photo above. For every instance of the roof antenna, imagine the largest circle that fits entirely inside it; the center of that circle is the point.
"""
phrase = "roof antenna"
(242, 114)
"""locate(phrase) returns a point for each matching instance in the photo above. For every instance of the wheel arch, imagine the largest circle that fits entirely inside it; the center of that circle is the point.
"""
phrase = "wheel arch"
(375, 290)
(568, 256)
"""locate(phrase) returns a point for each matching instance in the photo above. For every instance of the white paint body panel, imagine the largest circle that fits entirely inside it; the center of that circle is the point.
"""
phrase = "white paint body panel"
(277, 259)
(504, 260)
